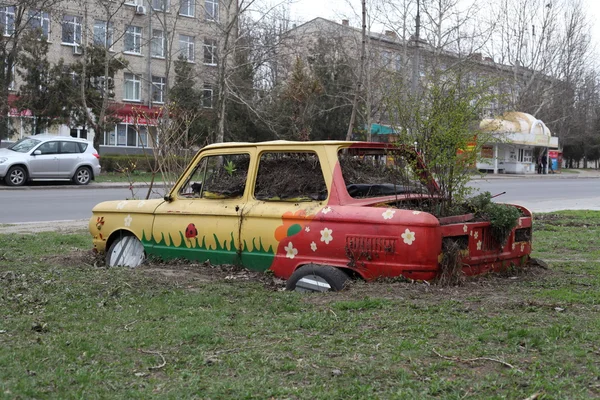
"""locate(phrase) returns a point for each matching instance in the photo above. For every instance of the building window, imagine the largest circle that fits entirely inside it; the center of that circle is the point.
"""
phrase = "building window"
(158, 43)
(71, 30)
(128, 135)
(7, 20)
(132, 87)
(158, 89)
(133, 39)
(186, 7)
(207, 96)
(525, 156)
(212, 9)
(40, 20)
(398, 62)
(103, 33)
(210, 51)
(186, 47)
(160, 5)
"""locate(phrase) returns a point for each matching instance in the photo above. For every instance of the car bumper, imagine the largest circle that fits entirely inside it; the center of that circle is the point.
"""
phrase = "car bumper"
(3, 170)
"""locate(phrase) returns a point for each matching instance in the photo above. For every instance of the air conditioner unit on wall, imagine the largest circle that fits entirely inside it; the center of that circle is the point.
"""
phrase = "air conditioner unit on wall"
(140, 10)
(77, 50)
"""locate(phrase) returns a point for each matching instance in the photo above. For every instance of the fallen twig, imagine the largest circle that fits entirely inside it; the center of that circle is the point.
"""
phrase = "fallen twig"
(126, 327)
(468, 360)
(164, 362)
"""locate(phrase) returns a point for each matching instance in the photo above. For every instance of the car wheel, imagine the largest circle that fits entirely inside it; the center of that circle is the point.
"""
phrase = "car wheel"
(317, 278)
(82, 176)
(17, 176)
(125, 251)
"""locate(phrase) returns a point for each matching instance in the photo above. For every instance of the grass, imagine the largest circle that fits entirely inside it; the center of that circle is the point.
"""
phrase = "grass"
(137, 176)
(71, 328)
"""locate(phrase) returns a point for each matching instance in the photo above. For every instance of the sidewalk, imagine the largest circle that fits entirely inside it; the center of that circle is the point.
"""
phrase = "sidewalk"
(564, 174)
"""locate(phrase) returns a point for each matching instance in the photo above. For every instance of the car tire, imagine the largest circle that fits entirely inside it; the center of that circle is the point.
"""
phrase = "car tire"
(125, 251)
(16, 176)
(317, 278)
(82, 176)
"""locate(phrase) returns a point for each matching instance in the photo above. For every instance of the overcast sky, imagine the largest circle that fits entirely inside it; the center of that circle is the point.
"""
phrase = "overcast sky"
(305, 10)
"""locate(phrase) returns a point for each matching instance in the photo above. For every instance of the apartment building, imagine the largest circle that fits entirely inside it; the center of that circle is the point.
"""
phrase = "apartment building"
(150, 35)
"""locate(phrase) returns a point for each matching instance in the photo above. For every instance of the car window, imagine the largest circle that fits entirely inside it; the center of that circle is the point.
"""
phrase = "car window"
(379, 172)
(48, 148)
(69, 147)
(218, 177)
(24, 145)
(290, 176)
(82, 147)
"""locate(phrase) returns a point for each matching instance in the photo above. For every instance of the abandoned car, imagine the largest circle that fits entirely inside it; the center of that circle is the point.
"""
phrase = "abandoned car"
(314, 213)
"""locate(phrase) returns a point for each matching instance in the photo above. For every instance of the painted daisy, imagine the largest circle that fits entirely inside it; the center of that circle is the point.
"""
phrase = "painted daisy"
(408, 236)
(290, 251)
(326, 235)
(388, 214)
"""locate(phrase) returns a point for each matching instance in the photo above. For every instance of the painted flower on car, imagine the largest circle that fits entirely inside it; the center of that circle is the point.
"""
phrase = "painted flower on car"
(408, 236)
(127, 220)
(290, 251)
(313, 246)
(326, 235)
(388, 214)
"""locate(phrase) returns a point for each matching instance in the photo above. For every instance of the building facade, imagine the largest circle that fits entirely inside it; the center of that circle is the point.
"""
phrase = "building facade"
(150, 35)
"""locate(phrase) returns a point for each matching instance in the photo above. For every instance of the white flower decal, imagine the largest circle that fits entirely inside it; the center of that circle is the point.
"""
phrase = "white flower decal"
(326, 235)
(388, 214)
(520, 222)
(408, 236)
(313, 246)
(479, 245)
(326, 210)
(522, 247)
(141, 203)
(513, 246)
(290, 251)
(416, 212)
(465, 228)
(476, 235)
(127, 220)
(307, 229)
(471, 233)
(121, 205)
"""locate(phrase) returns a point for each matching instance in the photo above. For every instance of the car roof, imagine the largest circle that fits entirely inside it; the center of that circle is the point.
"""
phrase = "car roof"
(274, 143)
(45, 137)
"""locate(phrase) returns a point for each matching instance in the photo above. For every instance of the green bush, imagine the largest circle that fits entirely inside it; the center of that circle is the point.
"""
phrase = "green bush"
(503, 218)
(118, 163)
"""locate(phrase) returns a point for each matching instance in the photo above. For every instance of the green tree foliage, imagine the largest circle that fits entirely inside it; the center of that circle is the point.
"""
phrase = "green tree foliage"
(190, 110)
(443, 122)
(95, 71)
(47, 90)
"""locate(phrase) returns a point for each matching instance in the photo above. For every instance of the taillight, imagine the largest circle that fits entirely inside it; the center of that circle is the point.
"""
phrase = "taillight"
(96, 155)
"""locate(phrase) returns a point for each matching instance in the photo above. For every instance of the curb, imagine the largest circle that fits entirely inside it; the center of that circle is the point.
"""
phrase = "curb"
(105, 185)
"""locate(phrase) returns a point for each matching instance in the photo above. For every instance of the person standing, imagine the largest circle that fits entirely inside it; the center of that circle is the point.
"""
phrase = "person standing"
(544, 163)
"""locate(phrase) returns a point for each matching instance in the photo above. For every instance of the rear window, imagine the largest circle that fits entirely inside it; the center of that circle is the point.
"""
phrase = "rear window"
(70, 147)
(378, 172)
(82, 147)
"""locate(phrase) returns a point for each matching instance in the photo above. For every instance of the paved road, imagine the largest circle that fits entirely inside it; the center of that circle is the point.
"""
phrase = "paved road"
(543, 195)
(49, 203)
(57, 204)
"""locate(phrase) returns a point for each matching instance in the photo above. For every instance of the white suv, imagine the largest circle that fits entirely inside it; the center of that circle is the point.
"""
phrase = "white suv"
(49, 157)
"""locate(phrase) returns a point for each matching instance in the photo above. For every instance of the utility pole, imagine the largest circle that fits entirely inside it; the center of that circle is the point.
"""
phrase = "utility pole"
(416, 60)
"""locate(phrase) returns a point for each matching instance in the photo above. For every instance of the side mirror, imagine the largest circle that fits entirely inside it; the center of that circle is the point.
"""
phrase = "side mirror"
(167, 198)
(37, 152)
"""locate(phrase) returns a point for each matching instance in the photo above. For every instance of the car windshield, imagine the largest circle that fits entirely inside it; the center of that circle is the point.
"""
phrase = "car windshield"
(379, 172)
(24, 145)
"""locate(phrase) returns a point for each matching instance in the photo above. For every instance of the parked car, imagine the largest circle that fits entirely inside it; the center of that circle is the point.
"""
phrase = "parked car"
(314, 213)
(49, 157)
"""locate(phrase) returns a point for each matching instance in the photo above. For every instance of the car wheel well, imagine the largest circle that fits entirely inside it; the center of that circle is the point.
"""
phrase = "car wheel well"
(24, 166)
(116, 234)
(352, 274)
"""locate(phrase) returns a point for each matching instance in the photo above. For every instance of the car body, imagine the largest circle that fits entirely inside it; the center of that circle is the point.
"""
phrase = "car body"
(49, 157)
(314, 213)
